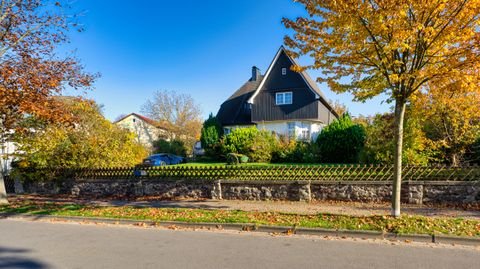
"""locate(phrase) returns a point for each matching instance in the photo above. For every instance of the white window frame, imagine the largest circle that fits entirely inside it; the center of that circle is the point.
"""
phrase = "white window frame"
(280, 96)
(305, 135)
(284, 71)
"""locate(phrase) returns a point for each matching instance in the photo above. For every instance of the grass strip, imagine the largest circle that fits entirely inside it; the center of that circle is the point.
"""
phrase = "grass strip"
(406, 224)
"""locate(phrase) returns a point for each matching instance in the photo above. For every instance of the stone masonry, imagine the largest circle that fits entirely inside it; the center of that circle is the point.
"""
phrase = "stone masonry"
(417, 192)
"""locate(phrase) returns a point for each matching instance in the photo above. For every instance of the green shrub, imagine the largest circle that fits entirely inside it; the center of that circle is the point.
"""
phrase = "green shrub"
(473, 153)
(95, 142)
(175, 146)
(341, 141)
(263, 146)
(257, 145)
(210, 137)
(234, 158)
(291, 151)
(380, 144)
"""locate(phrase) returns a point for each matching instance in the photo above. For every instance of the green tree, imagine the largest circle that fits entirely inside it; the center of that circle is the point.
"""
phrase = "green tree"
(390, 47)
(91, 141)
(380, 146)
(210, 136)
(341, 141)
(450, 114)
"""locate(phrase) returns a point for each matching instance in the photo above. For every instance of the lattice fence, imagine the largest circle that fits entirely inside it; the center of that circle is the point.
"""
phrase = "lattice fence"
(314, 173)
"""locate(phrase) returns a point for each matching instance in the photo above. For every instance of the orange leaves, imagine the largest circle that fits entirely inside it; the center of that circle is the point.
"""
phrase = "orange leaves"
(31, 71)
(383, 45)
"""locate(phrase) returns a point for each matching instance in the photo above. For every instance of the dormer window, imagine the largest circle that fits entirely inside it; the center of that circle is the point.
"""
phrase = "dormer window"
(283, 98)
(284, 71)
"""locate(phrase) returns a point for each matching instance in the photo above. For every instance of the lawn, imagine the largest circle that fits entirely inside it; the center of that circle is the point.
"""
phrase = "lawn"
(406, 224)
(251, 164)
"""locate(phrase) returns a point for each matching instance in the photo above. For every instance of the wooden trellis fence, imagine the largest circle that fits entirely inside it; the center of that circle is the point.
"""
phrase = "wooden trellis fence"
(287, 172)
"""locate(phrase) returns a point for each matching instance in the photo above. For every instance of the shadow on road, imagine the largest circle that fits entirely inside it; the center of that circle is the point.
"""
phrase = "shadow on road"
(16, 258)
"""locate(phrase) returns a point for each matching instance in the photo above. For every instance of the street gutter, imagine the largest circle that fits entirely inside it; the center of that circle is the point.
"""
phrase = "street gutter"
(362, 234)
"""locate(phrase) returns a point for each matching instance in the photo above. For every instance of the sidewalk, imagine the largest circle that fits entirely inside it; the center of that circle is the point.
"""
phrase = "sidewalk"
(332, 207)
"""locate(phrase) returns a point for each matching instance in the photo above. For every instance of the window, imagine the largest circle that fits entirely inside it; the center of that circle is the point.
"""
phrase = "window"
(284, 71)
(226, 131)
(284, 98)
(291, 129)
(247, 107)
(133, 120)
(305, 135)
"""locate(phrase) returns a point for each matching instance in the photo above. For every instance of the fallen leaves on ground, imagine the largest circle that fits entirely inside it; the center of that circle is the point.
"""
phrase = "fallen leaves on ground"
(406, 224)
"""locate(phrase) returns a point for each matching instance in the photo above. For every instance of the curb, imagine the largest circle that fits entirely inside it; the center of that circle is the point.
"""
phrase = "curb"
(363, 234)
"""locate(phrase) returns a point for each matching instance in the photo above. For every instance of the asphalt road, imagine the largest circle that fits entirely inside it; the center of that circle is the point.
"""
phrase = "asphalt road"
(25, 244)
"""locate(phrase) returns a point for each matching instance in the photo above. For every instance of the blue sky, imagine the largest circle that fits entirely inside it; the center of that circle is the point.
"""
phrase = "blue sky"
(203, 48)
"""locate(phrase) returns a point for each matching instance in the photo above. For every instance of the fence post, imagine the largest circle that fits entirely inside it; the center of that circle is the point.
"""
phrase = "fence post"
(216, 193)
(138, 188)
(18, 186)
(304, 191)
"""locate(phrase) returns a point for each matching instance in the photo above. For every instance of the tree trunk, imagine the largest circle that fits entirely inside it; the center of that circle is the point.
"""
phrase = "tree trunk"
(397, 167)
(454, 159)
(3, 190)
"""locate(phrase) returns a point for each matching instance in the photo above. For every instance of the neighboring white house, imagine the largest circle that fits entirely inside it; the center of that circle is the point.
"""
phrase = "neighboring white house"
(6, 156)
(145, 129)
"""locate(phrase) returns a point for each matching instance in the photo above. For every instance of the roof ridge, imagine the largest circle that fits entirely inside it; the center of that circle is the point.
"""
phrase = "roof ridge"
(144, 118)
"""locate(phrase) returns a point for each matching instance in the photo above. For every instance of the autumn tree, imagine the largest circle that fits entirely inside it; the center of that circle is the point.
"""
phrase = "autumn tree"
(179, 112)
(450, 114)
(380, 145)
(339, 107)
(390, 47)
(90, 141)
(31, 69)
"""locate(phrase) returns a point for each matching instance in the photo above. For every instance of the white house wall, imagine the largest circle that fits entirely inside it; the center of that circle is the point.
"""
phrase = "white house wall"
(281, 128)
(315, 130)
(145, 133)
(6, 156)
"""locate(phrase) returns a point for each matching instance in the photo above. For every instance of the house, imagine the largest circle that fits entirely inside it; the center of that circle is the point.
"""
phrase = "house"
(145, 129)
(282, 101)
(7, 155)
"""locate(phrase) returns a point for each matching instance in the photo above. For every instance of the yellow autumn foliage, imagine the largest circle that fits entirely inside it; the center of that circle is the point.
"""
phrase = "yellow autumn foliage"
(91, 141)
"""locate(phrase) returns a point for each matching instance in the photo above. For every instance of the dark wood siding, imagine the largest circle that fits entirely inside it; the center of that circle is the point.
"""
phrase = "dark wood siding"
(325, 115)
(304, 105)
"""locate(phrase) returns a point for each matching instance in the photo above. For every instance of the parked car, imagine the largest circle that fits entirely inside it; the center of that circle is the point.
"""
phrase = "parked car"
(162, 159)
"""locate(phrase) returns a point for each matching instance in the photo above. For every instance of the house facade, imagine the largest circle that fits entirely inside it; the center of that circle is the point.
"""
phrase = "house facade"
(283, 101)
(145, 129)
(7, 155)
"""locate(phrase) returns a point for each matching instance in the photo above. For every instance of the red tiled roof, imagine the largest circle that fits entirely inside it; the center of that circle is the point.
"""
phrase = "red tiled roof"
(145, 119)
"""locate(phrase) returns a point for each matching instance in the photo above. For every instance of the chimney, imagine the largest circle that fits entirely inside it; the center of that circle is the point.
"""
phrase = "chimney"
(255, 73)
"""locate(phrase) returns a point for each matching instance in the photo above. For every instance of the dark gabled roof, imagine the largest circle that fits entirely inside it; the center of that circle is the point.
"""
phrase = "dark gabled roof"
(236, 109)
(308, 80)
(232, 111)
(314, 87)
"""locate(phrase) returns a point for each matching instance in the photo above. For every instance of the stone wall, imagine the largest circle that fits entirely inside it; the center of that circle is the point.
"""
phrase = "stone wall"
(418, 192)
